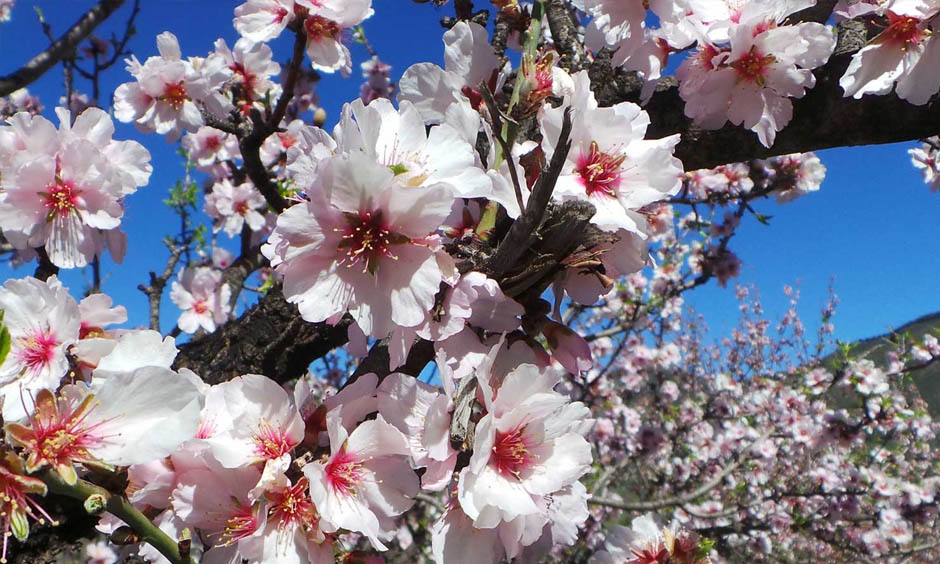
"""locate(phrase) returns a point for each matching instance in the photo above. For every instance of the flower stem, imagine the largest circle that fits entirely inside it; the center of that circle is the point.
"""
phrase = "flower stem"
(118, 506)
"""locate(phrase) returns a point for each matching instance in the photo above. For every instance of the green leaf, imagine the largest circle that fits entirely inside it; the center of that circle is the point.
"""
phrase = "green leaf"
(4, 340)
(19, 524)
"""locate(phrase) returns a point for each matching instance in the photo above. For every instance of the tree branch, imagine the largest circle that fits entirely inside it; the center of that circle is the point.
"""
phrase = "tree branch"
(60, 49)
(822, 119)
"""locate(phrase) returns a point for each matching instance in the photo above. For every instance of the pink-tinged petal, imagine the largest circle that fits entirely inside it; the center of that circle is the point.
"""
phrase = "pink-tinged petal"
(144, 415)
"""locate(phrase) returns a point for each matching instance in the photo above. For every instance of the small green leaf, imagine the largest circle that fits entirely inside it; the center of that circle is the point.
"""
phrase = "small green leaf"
(19, 524)
(4, 340)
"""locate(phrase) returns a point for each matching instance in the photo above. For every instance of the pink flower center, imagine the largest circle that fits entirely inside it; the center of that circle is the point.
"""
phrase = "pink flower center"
(213, 143)
(510, 454)
(243, 523)
(752, 66)
(344, 472)
(287, 140)
(903, 30)
(241, 208)
(200, 307)
(600, 172)
(652, 555)
(38, 350)
(367, 239)
(61, 198)
(174, 95)
(319, 28)
(61, 433)
(248, 78)
(292, 506)
(270, 442)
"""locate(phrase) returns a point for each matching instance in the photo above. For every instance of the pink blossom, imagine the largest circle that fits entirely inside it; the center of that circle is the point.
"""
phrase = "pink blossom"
(366, 479)
(43, 321)
(906, 52)
(233, 207)
(325, 24)
(604, 141)
(168, 90)
(202, 297)
(362, 231)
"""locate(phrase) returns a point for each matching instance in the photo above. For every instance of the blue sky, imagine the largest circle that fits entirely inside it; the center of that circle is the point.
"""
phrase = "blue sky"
(872, 227)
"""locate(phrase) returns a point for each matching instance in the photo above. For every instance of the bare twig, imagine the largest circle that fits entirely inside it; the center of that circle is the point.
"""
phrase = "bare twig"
(60, 49)
(520, 234)
(154, 290)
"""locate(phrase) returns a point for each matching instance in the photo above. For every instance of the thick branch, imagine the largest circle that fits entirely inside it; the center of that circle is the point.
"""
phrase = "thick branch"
(269, 339)
(822, 119)
(60, 49)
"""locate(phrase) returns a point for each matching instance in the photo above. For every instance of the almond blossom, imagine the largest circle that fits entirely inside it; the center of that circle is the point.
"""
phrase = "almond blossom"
(255, 422)
(43, 321)
(235, 206)
(251, 65)
(528, 445)
(168, 90)
(907, 53)
(469, 60)
(131, 418)
(749, 82)
(610, 164)
(397, 140)
(263, 20)
(203, 297)
(63, 189)
(366, 479)
(325, 23)
(363, 244)
(208, 145)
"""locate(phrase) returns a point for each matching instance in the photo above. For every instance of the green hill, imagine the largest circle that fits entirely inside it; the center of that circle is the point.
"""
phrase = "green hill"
(926, 380)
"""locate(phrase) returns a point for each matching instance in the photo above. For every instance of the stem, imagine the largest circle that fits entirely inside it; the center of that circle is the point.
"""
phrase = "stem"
(118, 506)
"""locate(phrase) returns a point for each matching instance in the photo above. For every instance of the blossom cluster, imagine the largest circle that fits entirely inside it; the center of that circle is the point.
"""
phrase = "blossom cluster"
(63, 189)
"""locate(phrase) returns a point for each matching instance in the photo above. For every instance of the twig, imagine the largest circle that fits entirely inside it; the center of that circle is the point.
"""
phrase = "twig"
(522, 231)
(503, 143)
(154, 290)
(118, 506)
(60, 49)
(679, 499)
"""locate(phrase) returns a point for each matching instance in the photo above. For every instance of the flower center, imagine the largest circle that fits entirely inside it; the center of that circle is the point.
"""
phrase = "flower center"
(213, 143)
(243, 523)
(904, 30)
(38, 350)
(292, 506)
(344, 472)
(367, 239)
(752, 66)
(241, 208)
(319, 28)
(174, 94)
(658, 554)
(61, 198)
(510, 455)
(271, 443)
(200, 307)
(600, 172)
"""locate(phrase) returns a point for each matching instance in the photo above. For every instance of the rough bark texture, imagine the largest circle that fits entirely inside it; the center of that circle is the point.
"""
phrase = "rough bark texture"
(822, 119)
(269, 339)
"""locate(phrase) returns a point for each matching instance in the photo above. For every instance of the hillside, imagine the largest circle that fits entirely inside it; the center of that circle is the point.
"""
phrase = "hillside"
(926, 380)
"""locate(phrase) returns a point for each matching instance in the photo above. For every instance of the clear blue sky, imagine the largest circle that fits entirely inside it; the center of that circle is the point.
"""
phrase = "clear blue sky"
(873, 226)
